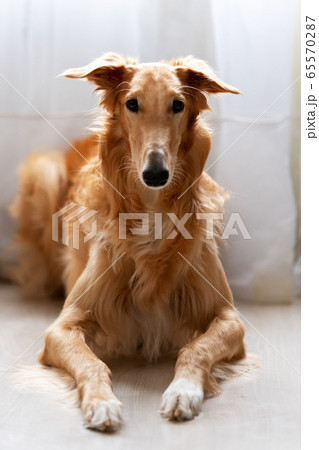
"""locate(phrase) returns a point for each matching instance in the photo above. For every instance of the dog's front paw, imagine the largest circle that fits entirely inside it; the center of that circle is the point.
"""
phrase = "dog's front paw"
(103, 415)
(182, 400)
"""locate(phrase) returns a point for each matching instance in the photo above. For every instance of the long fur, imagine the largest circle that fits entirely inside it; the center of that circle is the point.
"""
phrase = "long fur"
(62, 385)
(135, 296)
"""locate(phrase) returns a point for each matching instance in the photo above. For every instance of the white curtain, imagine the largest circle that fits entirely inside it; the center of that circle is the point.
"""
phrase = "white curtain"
(253, 45)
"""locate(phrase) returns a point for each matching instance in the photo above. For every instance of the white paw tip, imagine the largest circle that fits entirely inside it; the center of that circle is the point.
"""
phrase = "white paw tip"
(182, 400)
(104, 415)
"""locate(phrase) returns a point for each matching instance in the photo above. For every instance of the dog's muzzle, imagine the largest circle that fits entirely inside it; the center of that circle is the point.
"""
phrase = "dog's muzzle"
(155, 173)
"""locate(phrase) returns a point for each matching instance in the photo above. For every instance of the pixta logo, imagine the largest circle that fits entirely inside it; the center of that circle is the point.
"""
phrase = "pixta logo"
(71, 217)
(234, 226)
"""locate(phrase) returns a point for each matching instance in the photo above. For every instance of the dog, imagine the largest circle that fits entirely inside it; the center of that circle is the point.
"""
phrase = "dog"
(156, 291)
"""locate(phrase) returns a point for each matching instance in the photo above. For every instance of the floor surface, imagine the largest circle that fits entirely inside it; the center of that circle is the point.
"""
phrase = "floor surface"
(249, 414)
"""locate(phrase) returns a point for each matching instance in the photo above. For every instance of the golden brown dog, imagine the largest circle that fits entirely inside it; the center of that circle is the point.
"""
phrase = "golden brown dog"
(146, 294)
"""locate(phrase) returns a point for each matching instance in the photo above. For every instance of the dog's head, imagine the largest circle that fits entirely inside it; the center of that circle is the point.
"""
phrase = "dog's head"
(156, 106)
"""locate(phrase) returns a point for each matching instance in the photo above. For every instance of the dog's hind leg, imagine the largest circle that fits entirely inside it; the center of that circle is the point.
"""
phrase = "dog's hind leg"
(42, 191)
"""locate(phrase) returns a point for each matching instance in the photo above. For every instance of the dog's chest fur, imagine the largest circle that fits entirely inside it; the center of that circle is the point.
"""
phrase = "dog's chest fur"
(143, 335)
(152, 303)
(153, 306)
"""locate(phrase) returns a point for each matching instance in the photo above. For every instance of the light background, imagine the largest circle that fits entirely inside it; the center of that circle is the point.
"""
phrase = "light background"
(253, 45)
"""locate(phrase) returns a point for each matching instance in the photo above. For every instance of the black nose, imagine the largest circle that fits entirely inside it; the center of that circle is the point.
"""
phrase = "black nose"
(155, 176)
(155, 173)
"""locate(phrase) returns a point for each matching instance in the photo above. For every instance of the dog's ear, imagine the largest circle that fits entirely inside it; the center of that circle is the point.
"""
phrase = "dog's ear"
(107, 72)
(198, 78)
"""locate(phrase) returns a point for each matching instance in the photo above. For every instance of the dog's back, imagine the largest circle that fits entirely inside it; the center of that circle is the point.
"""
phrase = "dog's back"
(45, 183)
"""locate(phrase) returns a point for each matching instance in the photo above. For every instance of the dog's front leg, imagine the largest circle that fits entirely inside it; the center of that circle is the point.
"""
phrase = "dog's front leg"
(65, 348)
(223, 340)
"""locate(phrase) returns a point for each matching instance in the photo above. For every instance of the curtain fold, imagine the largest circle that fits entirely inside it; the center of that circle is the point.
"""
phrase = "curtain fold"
(250, 48)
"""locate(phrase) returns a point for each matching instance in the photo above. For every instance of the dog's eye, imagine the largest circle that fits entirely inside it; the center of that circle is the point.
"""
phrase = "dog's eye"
(178, 106)
(132, 105)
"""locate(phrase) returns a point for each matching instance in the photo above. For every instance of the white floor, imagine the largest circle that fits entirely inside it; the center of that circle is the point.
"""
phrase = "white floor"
(250, 415)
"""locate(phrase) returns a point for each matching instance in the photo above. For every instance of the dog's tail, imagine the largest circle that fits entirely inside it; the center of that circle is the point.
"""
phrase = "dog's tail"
(43, 188)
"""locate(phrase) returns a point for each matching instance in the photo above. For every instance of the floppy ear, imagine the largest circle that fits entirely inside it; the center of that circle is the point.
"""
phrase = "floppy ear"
(107, 72)
(198, 78)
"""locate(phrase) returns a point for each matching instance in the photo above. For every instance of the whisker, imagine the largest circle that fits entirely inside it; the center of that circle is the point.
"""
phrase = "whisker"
(192, 87)
(126, 163)
(186, 93)
(121, 90)
(123, 83)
